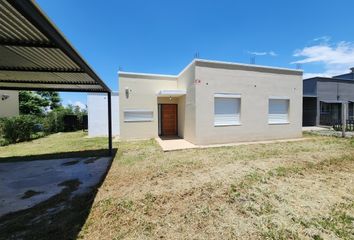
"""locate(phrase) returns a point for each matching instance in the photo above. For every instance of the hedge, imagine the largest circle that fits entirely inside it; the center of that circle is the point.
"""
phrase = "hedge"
(19, 128)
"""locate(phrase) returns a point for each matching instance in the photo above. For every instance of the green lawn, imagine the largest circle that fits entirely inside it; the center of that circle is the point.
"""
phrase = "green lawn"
(59, 144)
(293, 190)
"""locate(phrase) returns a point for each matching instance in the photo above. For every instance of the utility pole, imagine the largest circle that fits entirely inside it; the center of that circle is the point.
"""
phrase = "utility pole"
(253, 60)
(344, 118)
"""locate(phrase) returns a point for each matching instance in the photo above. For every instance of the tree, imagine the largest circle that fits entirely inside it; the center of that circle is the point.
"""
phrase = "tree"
(32, 103)
(36, 103)
(53, 98)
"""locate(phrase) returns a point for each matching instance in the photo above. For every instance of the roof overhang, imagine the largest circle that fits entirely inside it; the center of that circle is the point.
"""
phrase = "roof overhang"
(36, 56)
(309, 96)
(331, 101)
(246, 67)
(171, 93)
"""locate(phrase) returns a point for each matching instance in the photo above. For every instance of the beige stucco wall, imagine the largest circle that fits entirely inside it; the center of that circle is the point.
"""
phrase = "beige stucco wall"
(10, 106)
(181, 108)
(167, 100)
(255, 88)
(187, 104)
(142, 95)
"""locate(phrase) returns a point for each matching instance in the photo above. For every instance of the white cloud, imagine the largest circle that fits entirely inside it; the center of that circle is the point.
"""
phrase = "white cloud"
(322, 39)
(270, 53)
(335, 58)
(80, 104)
(77, 103)
(258, 53)
(312, 75)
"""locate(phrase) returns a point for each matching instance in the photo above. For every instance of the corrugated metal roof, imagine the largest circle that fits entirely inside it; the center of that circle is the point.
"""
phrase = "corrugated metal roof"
(15, 26)
(35, 55)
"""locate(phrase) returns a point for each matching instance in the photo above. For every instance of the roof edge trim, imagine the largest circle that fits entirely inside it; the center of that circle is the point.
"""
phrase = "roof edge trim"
(216, 64)
(146, 75)
(243, 66)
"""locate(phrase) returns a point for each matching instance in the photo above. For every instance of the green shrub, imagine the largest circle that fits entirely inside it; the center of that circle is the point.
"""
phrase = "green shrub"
(19, 128)
(1, 127)
(27, 127)
(3, 141)
(54, 121)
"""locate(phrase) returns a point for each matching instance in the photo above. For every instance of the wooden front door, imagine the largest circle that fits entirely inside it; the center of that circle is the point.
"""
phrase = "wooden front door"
(169, 119)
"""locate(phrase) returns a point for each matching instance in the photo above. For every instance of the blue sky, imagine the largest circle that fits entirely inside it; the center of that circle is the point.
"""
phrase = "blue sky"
(160, 36)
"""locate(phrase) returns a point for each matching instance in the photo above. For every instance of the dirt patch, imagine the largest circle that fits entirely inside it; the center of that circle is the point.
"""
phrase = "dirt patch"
(70, 163)
(91, 160)
(30, 193)
(71, 185)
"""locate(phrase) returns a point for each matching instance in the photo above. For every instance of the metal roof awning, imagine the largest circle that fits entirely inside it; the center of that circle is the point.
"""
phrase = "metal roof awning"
(34, 55)
(171, 93)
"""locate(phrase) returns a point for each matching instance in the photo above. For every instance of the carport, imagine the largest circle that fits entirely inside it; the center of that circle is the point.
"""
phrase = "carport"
(34, 55)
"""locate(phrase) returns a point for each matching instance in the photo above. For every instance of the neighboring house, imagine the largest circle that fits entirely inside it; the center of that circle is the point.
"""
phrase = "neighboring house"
(98, 115)
(9, 103)
(323, 99)
(212, 102)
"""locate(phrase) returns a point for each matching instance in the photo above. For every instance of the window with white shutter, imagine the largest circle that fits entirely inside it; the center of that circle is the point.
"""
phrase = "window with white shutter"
(278, 111)
(227, 109)
(138, 115)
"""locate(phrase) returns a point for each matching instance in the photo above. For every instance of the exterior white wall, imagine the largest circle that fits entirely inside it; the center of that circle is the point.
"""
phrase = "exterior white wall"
(255, 87)
(98, 114)
(10, 106)
(142, 95)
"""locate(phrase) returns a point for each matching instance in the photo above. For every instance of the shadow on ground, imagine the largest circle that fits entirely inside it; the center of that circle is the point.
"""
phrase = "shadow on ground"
(60, 216)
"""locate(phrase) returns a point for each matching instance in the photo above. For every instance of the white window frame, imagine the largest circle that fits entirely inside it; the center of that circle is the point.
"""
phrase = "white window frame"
(287, 121)
(228, 96)
(147, 119)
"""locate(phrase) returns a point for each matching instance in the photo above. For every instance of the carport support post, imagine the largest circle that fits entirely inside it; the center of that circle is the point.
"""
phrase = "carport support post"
(109, 100)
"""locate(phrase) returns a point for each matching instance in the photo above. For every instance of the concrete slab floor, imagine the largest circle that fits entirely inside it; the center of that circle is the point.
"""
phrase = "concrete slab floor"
(314, 128)
(174, 144)
(27, 183)
(254, 142)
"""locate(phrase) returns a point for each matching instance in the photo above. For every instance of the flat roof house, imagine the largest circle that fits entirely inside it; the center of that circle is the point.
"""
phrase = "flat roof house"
(212, 102)
(9, 103)
(323, 99)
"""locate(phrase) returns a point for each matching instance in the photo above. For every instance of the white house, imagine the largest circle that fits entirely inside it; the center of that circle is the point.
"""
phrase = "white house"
(9, 103)
(212, 102)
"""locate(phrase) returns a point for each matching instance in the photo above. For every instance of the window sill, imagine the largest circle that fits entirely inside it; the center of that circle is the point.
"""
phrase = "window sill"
(129, 121)
(280, 123)
(227, 125)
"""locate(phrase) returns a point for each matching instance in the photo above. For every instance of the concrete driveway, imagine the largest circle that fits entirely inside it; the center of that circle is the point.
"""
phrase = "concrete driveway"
(28, 183)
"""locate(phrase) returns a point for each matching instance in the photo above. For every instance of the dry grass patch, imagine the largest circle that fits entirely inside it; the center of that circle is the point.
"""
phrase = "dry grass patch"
(274, 191)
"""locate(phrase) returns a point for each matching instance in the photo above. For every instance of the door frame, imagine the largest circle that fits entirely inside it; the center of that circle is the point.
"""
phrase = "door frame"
(160, 108)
